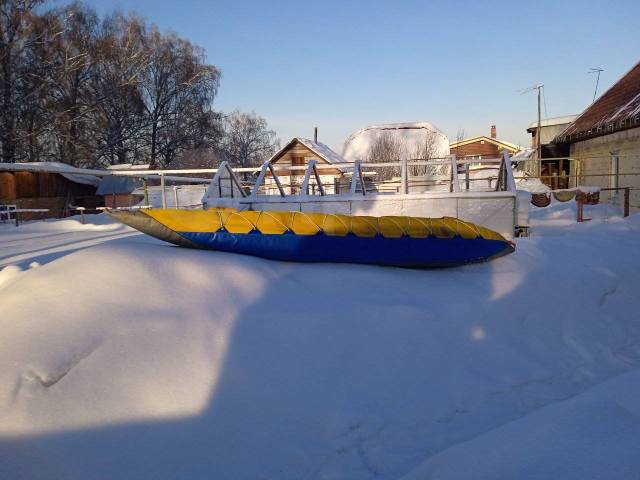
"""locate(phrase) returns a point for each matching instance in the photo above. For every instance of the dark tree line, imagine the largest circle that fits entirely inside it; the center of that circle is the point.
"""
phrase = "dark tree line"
(92, 92)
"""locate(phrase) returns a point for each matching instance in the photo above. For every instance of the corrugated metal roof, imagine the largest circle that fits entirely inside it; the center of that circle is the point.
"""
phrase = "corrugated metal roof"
(552, 121)
(617, 109)
(117, 185)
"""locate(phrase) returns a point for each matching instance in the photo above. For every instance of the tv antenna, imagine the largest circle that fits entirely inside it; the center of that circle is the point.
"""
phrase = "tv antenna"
(597, 71)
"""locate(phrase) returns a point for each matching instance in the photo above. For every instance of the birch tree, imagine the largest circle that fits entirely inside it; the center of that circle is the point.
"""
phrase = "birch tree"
(247, 140)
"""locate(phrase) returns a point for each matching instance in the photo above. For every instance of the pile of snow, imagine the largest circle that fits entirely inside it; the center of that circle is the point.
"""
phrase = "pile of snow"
(412, 135)
(143, 360)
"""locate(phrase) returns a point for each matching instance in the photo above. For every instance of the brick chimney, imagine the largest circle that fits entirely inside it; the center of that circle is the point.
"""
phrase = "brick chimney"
(493, 132)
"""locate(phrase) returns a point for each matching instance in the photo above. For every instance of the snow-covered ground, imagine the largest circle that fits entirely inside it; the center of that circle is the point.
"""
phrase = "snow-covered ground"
(124, 357)
(44, 241)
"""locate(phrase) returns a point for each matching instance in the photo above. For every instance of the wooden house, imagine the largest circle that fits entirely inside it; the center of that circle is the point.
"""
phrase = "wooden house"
(35, 186)
(604, 140)
(477, 148)
(297, 153)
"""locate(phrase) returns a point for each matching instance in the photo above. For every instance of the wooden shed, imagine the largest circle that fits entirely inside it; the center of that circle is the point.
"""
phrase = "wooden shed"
(34, 186)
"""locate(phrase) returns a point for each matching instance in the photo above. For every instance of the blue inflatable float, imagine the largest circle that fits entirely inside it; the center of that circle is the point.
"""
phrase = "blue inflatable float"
(323, 237)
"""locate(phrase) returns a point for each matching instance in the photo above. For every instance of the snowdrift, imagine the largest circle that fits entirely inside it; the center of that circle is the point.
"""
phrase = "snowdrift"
(141, 360)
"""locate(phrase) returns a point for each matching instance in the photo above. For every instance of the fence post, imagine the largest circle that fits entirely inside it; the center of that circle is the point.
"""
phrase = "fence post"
(404, 176)
(146, 193)
(626, 202)
(164, 194)
(81, 210)
(455, 183)
(466, 176)
(579, 211)
(175, 197)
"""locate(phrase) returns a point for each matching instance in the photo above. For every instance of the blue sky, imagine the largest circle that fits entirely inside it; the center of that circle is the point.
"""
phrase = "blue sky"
(344, 65)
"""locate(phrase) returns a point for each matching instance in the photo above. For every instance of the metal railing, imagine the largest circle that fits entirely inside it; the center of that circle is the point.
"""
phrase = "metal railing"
(270, 178)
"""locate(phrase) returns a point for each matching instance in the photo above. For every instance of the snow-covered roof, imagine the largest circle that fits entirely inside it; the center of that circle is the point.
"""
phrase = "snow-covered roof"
(550, 122)
(524, 154)
(617, 109)
(128, 166)
(73, 174)
(495, 141)
(359, 143)
(323, 151)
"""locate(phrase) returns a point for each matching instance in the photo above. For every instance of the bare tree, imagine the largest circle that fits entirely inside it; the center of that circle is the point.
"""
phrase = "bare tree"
(199, 158)
(33, 117)
(427, 149)
(70, 99)
(386, 148)
(247, 139)
(119, 115)
(88, 92)
(178, 90)
(16, 23)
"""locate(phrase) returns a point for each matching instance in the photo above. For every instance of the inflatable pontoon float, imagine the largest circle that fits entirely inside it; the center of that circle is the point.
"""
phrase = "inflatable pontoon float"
(322, 237)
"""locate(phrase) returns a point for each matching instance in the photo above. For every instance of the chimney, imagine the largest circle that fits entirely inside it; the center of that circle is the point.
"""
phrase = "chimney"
(493, 132)
(315, 134)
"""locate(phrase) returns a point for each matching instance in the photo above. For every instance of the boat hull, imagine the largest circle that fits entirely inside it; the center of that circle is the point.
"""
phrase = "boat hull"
(405, 247)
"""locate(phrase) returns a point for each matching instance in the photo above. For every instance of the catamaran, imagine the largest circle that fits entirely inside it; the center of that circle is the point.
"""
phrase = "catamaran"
(426, 228)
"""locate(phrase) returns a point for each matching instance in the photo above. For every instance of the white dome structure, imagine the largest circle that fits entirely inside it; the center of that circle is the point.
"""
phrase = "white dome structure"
(411, 135)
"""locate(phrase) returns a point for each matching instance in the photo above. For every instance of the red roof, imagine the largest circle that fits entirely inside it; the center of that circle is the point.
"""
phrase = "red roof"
(617, 109)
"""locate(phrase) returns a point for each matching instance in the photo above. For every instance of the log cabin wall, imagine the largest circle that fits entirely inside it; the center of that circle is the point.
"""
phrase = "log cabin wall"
(8, 187)
(481, 147)
(45, 190)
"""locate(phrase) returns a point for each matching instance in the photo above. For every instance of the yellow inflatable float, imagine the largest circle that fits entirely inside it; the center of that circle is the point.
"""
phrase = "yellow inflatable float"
(323, 237)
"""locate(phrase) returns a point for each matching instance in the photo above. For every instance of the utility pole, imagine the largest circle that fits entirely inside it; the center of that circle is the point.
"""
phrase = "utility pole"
(538, 133)
(597, 71)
